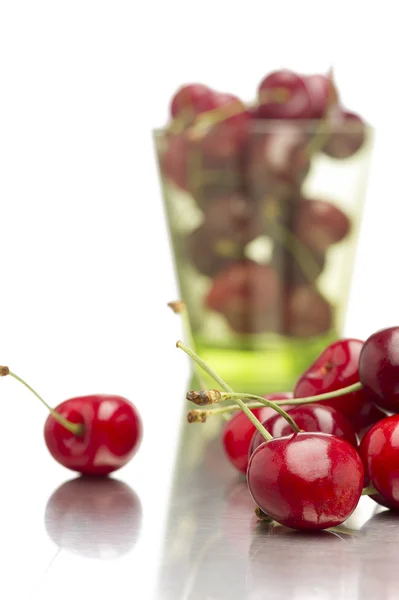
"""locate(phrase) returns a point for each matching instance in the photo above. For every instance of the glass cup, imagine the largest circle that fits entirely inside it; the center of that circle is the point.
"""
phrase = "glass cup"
(264, 226)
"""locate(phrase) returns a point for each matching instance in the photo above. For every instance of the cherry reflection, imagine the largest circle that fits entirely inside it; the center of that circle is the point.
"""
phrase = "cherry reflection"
(96, 518)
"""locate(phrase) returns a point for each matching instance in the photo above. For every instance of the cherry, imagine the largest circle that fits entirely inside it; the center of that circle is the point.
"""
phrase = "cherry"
(107, 510)
(276, 162)
(233, 216)
(246, 283)
(191, 100)
(366, 418)
(319, 89)
(239, 431)
(283, 95)
(93, 435)
(228, 131)
(379, 450)
(291, 271)
(306, 480)
(247, 295)
(347, 137)
(237, 435)
(110, 437)
(379, 368)
(210, 255)
(319, 224)
(186, 162)
(310, 418)
(335, 368)
(306, 312)
(174, 161)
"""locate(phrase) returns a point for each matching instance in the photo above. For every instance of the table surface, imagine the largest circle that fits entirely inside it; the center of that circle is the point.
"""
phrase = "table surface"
(191, 536)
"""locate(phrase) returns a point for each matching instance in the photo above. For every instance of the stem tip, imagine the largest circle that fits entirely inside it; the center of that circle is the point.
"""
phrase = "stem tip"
(204, 397)
(4, 371)
(196, 416)
(177, 306)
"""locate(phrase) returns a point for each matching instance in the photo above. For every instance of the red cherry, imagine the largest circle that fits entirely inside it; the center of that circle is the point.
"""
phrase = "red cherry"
(174, 161)
(111, 435)
(191, 100)
(306, 480)
(276, 163)
(306, 312)
(366, 418)
(319, 224)
(187, 164)
(283, 95)
(210, 255)
(379, 451)
(347, 137)
(246, 283)
(379, 368)
(225, 139)
(309, 417)
(291, 271)
(233, 216)
(335, 368)
(319, 87)
(106, 510)
(237, 435)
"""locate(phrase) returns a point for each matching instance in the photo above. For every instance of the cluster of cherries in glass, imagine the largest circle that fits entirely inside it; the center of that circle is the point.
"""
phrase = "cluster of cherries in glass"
(93, 435)
(245, 166)
(345, 441)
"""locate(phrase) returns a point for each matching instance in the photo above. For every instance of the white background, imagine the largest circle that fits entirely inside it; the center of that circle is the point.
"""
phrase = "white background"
(85, 263)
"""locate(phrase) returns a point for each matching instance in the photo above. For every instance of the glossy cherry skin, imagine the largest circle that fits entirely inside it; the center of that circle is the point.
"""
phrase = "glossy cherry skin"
(283, 95)
(379, 451)
(308, 481)
(237, 435)
(112, 434)
(379, 368)
(335, 368)
(366, 418)
(311, 418)
(239, 430)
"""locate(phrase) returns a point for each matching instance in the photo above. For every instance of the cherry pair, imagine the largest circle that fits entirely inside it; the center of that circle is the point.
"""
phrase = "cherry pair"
(93, 435)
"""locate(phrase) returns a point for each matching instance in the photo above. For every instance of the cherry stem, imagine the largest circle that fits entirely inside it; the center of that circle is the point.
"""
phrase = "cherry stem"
(264, 402)
(369, 491)
(202, 414)
(179, 308)
(298, 251)
(75, 428)
(327, 396)
(207, 369)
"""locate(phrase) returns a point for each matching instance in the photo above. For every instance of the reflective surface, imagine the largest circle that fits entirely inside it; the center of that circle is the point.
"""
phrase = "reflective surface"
(178, 524)
(215, 548)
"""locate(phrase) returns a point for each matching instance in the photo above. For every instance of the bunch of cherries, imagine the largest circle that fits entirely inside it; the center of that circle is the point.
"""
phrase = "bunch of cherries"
(245, 167)
(93, 435)
(309, 455)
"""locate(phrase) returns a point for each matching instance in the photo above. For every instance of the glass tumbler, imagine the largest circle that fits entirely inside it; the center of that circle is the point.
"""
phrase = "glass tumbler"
(264, 224)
